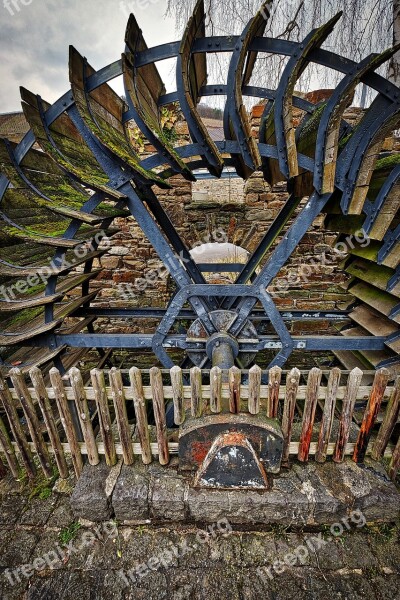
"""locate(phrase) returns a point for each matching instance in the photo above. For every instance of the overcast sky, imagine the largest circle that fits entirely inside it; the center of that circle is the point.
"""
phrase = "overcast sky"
(34, 41)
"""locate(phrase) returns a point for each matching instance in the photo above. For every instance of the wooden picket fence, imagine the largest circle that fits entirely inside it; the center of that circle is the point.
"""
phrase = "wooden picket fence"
(37, 420)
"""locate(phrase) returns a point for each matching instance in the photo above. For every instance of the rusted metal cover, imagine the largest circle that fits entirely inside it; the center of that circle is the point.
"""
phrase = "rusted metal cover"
(197, 436)
(232, 463)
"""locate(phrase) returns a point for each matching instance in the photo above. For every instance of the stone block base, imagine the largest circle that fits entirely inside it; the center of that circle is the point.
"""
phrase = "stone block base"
(305, 495)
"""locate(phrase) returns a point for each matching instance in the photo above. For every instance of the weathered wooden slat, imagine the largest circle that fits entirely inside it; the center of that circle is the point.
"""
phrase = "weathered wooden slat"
(289, 407)
(32, 421)
(173, 448)
(12, 269)
(103, 410)
(389, 422)
(62, 142)
(51, 187)
(82, 407)
(236, 120)
(348, 404)
(328, 141)
(159, 414)
(274, 382)
(362, 394)
(370, 414)
(196, 391)
(231, 392)
(191, 76)
(177, 395)
(254, 390)
(33, 327)
(387, 213)
(121, 414)
(8, 450)
(48, 417)
(394, 465)
(31, 301)
(234, 389)
(310, 405)
(284, 122)
(357, 191)
(216, 390)
(102, 112)
(140, 406)
(3, 470)
(328, 415)
(374, 274)
(372, 321)
(144, 88)
(66, 419)
(17, 305)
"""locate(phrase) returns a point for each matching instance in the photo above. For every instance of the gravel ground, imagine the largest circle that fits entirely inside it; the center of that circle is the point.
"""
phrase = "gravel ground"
(45, 555)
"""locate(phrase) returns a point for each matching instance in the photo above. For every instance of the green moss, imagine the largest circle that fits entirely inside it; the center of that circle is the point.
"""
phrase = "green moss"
(40, 487)
(69, 533)
(308, 133)
(388, 162)
(344, 140)
(22, 317)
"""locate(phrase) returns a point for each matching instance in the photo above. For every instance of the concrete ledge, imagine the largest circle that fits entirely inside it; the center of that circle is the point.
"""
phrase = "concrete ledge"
(309, 495)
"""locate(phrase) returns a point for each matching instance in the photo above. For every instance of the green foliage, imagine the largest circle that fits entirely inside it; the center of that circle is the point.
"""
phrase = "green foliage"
(69, 533)
(385, 531)
(138, 140)
(41, 487)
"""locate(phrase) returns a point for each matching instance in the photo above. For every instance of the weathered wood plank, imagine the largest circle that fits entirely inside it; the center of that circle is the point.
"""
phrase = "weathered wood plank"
(3, 470)
(177, 395)
(254, 390)
(234, 389)
(370, 414)
(328, 415)
(82, 407)
(289, 407)
(216, 390)
(103, 410)
(310, 405)
(196, 391)
(33, 327)
(191, 76)
(394, 465)
(389, 423)
(118, 396)
(274, 382)
(66, 419)
(140, 407)
(32, 421)
(48, 417)
(348, 404)
(8, 450)
(159, 414)
(173, 448)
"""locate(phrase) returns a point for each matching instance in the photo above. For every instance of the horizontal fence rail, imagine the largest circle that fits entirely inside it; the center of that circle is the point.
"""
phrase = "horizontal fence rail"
(124, 414)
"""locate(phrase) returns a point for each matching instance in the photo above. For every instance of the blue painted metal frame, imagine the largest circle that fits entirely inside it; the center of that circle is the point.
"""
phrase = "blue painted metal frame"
(389, 242)
(178, 341)
(222, 291)
(281, 254)
(257, 315)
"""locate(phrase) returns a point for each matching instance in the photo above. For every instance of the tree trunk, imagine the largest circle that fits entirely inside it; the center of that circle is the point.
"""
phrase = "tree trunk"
(394, 68)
